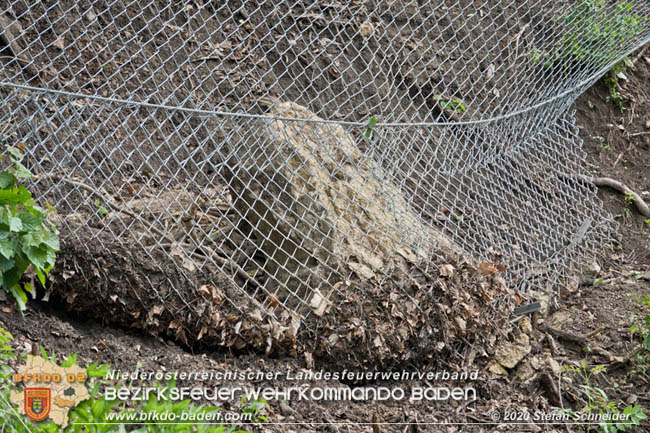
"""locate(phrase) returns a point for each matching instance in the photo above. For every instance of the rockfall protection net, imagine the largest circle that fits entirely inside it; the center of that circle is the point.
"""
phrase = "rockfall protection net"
(228, 142)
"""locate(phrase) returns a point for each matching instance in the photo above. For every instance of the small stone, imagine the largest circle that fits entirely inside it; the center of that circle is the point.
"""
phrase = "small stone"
(90, 16)
(592, 269)
(526, 326)
(554, 366)
(366, 29)
(496, 369)
(510, 354)
(446, 270)
(524, 372)
(544, 298)
(535, 363)
(647, 124)
(25, 348)
(460, 324)
(287, 410)
(559, 319)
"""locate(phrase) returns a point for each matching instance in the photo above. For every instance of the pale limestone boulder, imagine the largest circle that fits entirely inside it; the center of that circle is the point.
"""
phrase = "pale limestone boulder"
(320, 208)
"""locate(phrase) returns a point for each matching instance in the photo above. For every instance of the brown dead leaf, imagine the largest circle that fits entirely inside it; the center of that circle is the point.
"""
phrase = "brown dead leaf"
(487, 268)
(203, 218)
(272, 300)
(319, 304)
(175, 324)
(205, 290)
(484, 293)
(132, 189)
(334, 72)
(59, 43)
(211, 292)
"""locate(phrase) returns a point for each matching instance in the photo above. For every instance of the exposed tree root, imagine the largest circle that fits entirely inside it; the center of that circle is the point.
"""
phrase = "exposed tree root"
(623, 189)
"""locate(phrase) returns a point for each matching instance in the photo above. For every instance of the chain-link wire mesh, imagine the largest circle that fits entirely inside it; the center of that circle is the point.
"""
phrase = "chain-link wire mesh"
(225, 143)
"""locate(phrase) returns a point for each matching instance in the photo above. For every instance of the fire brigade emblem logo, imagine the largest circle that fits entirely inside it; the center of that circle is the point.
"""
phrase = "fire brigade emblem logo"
(38, 402)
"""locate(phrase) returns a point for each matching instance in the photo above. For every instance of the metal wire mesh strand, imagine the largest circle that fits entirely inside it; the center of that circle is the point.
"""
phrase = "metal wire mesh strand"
(223, 140)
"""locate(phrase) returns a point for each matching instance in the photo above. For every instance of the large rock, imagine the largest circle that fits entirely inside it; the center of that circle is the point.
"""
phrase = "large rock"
(320, 208)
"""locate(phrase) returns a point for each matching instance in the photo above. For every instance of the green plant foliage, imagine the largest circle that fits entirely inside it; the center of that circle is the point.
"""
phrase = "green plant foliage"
(594, 35)
(255, 408)
(367, 135)
(453, 104)
(611, 82)
(97, 415)
(100, 209)
(640, 328)
(10, 420)
(27, 237)
(598, 402)
(629, 200)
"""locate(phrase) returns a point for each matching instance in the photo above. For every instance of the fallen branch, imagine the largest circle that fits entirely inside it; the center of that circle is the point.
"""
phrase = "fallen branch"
(205, 59)
(623, 189)
(636, 134)
(582, 340)
(595, 332)
(565, 335)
